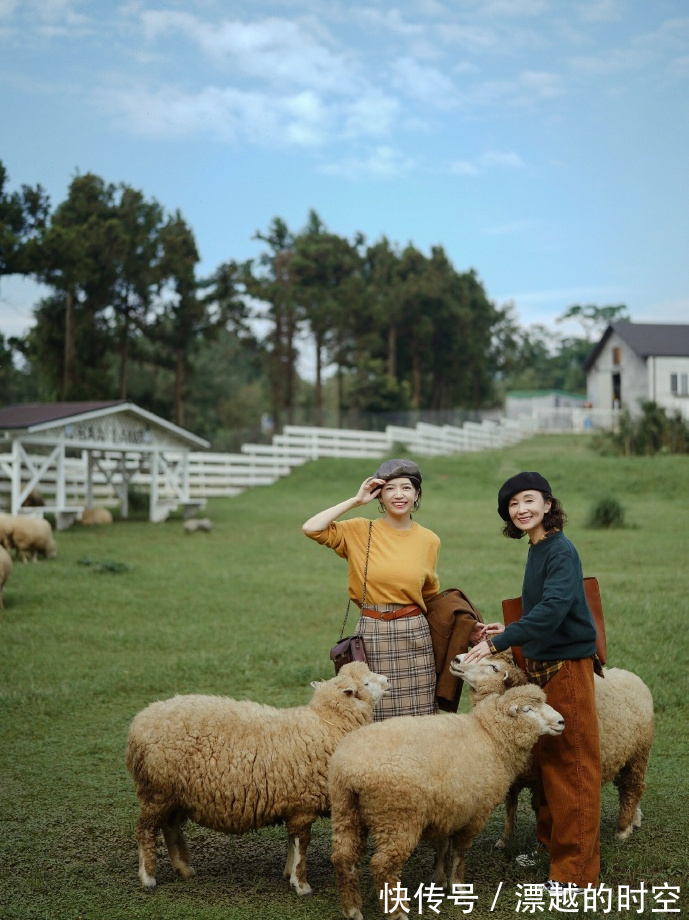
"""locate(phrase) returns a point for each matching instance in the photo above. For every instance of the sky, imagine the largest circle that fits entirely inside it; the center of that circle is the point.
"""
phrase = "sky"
(543, 143)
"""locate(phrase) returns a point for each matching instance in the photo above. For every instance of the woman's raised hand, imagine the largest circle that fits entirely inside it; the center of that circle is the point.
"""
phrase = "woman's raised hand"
(368, 490)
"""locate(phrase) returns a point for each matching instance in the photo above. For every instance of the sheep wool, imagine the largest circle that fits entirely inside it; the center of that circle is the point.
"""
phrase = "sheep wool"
(236, 765)
(91, 516)
(5, 571)
(624, 705)
(29, 536)
(435, 777)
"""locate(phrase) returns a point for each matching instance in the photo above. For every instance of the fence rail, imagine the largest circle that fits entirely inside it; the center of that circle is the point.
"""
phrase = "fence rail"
(214, 475)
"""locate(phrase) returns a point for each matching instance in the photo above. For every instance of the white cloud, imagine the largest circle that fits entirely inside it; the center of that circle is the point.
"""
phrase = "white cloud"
(425, 84)
(381, 163)
(371, 115)
(487, 162)
(600, 11)
(272, 50)
(7, 8)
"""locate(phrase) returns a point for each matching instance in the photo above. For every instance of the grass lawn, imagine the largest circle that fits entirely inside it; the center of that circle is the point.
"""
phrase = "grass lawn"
(251, 610)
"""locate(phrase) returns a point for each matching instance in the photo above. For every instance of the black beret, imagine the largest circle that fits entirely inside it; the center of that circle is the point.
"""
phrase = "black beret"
(394, 469)
(520, 483)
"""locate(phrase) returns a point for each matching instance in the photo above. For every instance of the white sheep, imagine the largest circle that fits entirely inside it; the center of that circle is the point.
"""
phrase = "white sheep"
(92, 516)
(29, 535)
(236, 765)
(625, 723)
(5, 570)
(437, 777)
(194, 524)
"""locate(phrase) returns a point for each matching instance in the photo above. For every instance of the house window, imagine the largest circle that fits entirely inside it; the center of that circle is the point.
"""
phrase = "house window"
(683, 381)
(617, 356)
(673, 384)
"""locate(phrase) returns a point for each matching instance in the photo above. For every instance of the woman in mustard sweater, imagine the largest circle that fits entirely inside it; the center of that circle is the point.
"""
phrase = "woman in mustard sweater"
(400, 576)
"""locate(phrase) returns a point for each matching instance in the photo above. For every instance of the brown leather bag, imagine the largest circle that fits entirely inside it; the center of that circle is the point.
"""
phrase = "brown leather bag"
(512, 611)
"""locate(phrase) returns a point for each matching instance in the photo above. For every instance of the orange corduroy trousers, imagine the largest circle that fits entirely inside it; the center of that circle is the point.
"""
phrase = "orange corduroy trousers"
(568, 778)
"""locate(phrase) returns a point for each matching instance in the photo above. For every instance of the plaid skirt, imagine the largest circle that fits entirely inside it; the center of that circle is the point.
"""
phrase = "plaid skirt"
(402, 650)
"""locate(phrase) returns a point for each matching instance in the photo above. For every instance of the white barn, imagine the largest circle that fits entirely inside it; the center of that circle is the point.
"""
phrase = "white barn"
(113, 442)
(635, 362)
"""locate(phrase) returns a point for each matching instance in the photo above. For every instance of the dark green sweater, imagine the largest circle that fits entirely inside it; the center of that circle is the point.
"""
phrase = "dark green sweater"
(556, 622)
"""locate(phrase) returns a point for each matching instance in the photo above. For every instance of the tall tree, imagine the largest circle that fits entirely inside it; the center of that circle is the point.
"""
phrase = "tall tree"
(594, 320)
(23, 217)
(327, 284)
(183, 317)
(270, 281)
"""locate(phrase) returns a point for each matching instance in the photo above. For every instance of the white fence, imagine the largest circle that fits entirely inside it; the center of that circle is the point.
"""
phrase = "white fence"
(213, 475)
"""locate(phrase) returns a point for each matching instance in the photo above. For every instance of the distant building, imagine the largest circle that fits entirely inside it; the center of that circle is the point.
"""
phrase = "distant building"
(527, 402)
(635, 362)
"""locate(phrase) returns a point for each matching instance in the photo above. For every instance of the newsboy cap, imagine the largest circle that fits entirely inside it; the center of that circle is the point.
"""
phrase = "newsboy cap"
(520, 483)
(394, 469)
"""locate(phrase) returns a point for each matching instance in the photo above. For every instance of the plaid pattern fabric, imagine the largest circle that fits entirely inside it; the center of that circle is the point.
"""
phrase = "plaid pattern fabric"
(402, 650)
(540, 672)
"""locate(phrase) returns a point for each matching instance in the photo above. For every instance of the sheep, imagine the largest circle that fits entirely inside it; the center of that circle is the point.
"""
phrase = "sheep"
(235, 766)
(625, 723)
(96, 516)
(437, 777)
(194, 524)
(6, 524)
(5, 571)
(29, 535)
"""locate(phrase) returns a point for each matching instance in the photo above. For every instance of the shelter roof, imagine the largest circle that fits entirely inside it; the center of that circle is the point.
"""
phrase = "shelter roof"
(34, 418)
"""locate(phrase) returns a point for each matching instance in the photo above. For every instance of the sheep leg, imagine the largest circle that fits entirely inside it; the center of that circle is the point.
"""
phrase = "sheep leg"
(441, 845)
(146, 830)
(461, 841)
(631, 782)
(178, 851)
(299, 837)
(349, 843)
(394, 845)
(511, 803)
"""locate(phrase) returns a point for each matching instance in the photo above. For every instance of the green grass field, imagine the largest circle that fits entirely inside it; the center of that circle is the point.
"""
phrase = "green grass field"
(251, 610)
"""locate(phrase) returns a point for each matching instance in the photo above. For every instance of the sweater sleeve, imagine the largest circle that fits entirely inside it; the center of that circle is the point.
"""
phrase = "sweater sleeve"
(559, 590)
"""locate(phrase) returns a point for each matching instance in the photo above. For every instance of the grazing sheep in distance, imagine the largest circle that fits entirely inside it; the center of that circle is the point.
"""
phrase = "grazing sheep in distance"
(96, 516)
(437, 777)
(235, 766)
(194, 524)
(6, 522)
(5, 570)
(28, 535)
(625, 723)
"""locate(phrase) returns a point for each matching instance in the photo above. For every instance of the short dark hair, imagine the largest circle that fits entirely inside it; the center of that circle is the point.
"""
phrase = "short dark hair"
(555, 519)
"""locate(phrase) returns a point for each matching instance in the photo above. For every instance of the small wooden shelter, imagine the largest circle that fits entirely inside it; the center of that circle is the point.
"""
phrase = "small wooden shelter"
(114, 442)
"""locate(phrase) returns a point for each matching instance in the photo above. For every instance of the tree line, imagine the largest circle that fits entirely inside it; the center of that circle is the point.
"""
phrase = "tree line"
(128, 316)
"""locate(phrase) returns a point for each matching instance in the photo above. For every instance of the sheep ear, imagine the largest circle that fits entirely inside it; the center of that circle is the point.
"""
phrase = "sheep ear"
(506, 679)
(514, 709)
(316, 683)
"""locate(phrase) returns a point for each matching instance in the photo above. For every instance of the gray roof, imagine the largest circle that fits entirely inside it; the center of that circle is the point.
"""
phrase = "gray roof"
(663, 340)
(24, 415)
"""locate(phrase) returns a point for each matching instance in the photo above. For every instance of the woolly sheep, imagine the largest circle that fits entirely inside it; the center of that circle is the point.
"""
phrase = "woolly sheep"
(28, 535)
(625, 723)
(437, 777)
(194, 524)
(235, 766)
(96, 516)
(5, 570)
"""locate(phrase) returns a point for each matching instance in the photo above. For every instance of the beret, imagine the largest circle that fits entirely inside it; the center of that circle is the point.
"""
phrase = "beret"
(394, 469)
(520, 483)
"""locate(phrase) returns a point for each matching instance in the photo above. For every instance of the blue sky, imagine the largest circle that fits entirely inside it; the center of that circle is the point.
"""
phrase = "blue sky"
(543, 143)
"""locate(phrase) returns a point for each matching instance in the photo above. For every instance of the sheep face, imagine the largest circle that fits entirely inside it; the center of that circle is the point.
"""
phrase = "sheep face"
(357, 681)
(492, 674)
(530, 703)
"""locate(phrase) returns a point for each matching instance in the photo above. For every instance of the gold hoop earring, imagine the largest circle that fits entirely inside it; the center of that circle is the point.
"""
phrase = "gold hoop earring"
(381, 507)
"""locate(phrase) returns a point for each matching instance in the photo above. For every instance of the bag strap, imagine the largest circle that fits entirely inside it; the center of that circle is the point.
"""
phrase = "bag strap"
(363, 593)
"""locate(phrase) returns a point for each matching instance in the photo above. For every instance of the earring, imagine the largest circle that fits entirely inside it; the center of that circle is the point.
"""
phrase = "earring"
(381, 507)
(416, 505)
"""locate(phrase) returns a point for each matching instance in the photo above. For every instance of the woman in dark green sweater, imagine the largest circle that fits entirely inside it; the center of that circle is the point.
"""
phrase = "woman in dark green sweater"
(558, 639)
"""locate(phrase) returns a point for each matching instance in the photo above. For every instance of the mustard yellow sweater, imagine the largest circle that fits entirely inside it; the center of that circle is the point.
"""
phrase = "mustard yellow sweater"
(402, 563)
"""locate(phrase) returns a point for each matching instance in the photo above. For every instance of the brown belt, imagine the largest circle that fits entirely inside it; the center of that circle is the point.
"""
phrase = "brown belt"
(411, 610)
